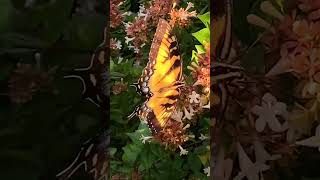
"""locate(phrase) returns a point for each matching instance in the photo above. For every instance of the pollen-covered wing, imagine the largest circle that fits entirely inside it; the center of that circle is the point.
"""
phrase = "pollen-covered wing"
(161, 78)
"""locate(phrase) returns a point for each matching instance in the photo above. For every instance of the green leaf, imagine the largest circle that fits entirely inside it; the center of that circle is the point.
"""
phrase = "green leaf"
(131, 152)
(194, 56)
(280, 3)
(147, 158)
(5, 9)
(143, 129)
(194, 162)
(205, 18)
(112, 151)
(200, 49)
(203, 36)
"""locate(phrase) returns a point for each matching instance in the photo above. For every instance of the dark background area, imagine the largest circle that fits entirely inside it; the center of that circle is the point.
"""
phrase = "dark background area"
(43, 118)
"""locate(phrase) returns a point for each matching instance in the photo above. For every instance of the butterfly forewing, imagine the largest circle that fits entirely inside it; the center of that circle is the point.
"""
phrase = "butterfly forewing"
(164, 66)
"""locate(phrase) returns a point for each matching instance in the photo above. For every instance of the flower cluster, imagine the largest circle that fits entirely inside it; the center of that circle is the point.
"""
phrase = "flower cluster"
(201, 70)
(137, 33)
(148, 18)
(173, 135)
(115, 14)
(297, 35)
(27, 80)
(182, 15)
(119, 87)
(115, 44)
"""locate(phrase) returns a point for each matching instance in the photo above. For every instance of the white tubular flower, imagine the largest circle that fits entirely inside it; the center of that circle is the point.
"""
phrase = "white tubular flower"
(145, 138)
(182, 151)
(129, 39)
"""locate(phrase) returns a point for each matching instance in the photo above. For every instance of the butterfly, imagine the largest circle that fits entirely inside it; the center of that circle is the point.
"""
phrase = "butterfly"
(161, 79)
(93, 155)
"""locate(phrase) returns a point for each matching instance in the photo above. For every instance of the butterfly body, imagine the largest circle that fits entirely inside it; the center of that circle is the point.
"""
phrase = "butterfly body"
(161, 79)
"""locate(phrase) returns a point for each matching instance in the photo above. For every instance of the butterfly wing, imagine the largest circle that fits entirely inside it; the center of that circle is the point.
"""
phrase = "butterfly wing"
(161, 78)
(157, 110)
(164, 68)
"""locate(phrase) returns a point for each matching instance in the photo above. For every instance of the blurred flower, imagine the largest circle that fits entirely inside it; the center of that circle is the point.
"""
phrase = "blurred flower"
(183, 151)
(187, 114)
(177, 115)
(308, 5)
(129, 39)
(261, 154)
(313, 141)
(118, 44)
(115, 44)
(137, 32)
(119, 87)
(223, 167)
(159, 9)
(145, 138)
(201, 70)
(172, 135)
(203, 137)
(248, 168)
(207, 171)
(267, 113)
(115, 15)
(306, 31)
(194, 97)
(182, 15)
(128, 13)
(27, 80)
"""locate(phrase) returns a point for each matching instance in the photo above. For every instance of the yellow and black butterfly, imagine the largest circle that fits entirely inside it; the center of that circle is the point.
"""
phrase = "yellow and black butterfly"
(161, 79)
